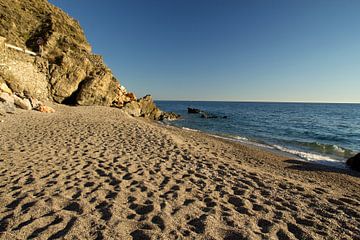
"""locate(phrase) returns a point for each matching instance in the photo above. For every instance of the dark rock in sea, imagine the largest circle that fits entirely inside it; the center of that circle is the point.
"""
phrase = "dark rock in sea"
(354, 162)
(193, 110)
(224, 117)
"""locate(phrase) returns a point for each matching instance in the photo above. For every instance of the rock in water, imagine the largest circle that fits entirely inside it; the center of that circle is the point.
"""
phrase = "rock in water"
(354, 162)
(193, 110)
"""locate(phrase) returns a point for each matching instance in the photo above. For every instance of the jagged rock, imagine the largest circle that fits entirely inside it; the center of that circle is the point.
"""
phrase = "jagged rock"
(45, 109)
(145, 107)
(171, 116)
(193, 110)
(354, 162)
(99, 89)
(35, 103)
(123, 97)
(6, 104)
(132, 108)
(74, 75)
(5, 88)
(5, 97)
(22, 103)
(65, 70)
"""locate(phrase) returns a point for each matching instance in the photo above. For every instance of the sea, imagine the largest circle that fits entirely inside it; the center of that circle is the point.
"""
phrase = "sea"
(319, 132)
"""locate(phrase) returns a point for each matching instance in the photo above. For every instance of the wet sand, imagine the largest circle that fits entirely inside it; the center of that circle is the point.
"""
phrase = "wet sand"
(96, 173)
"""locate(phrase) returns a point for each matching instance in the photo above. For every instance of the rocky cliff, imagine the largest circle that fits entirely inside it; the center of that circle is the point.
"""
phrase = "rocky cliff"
(65, 70)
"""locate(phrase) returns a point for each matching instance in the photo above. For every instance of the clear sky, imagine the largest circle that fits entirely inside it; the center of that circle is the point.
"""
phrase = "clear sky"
(300, 50)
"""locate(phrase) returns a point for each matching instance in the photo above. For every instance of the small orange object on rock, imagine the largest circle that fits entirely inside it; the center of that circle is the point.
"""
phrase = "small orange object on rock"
(45, 109)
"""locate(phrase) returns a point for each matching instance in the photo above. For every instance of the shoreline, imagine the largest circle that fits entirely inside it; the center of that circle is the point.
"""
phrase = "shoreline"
(95, 172)
(331, 163)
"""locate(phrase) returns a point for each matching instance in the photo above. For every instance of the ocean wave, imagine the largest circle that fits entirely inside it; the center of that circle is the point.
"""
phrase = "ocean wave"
(242, 139)
(326, 149)
(305, 155)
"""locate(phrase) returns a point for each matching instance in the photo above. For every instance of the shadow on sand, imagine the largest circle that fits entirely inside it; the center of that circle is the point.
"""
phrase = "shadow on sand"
(309, 166)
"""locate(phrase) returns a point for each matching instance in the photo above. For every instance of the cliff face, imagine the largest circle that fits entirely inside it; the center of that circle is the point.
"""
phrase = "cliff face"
(70, 72)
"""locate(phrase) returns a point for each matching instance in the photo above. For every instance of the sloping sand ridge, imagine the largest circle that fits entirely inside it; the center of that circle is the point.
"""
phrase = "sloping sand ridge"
(96, 173)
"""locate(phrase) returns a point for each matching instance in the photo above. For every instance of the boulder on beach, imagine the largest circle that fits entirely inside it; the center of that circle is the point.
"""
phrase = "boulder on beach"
(22, 103)
(354, 162)
(44, 109)
(145, 107)
(6, 104)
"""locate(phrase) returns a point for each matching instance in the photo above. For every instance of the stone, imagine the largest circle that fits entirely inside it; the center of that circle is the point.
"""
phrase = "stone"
(35, 103)
(45, 109)
(65, 70)
(193, 110)
(6, 103)
(354, 162)
(170, 116)
(122, 97)
(22, 103)
(99, 89)
(5, 97)
(132, 108)
(145, 107)
(4, 88)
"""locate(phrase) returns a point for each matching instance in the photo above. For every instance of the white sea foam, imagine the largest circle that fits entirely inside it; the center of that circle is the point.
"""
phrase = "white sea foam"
(243, 140)
(190, 129)
(306, 155)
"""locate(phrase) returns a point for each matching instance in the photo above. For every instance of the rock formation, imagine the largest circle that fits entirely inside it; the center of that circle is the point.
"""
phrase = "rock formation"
(354, 162)
(193, 110)
(65, 70)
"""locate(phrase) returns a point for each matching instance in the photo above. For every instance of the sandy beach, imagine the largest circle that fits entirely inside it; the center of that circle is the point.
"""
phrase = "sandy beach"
(97, 173)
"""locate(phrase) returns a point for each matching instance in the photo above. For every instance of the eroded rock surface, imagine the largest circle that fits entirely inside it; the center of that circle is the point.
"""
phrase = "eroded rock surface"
(65, 70)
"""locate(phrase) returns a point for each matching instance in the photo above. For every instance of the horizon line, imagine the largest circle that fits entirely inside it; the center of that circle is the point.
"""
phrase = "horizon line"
(257, 101)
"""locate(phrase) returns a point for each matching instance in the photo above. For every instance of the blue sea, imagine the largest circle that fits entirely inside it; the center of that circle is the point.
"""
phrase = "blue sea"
(325, 133)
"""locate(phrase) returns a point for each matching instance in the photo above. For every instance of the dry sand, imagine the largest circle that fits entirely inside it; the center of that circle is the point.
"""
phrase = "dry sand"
(96, 173)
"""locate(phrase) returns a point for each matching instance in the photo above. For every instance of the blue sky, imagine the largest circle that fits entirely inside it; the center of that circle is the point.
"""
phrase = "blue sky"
(228, 49)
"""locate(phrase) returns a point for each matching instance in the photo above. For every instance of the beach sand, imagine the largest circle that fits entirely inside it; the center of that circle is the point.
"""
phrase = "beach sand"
(96, 173)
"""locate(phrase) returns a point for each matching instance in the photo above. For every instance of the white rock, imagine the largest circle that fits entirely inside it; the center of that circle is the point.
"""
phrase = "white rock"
(35, 103)
(22, 103)
(6, 103)
(4, 97)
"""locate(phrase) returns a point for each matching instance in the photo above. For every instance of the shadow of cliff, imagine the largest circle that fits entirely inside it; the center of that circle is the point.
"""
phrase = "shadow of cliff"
(316, 167)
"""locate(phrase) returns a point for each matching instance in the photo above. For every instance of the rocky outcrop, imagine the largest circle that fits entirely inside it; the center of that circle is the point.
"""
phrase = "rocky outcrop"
(193, 110)
(9, 101)
(65, 70)
(145, 107)
(354, 162)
